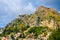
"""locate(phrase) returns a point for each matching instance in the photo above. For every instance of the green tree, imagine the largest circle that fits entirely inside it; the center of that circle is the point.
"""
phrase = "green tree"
(37, 31)
(22, 35)
(55, 35)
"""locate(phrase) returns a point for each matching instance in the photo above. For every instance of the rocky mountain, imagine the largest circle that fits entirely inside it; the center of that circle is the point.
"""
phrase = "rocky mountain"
(46, 19)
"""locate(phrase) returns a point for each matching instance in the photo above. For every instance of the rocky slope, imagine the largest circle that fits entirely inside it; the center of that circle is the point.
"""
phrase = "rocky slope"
(43, 17)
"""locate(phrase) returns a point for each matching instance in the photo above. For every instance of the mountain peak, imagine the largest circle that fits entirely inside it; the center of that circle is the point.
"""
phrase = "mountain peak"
(45, 8)
(43, 18)
(41, 8)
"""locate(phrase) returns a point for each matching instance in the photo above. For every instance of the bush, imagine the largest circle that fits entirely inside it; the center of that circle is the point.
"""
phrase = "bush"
(55, 35)
(37, 30)
(22, 35)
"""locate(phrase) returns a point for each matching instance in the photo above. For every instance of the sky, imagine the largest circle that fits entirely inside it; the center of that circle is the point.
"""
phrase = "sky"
(10, 9)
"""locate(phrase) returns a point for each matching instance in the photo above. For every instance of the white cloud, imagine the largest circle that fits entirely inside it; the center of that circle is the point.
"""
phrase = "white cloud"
(11, 5)
(12, 8)
(17, 6)
(30, 7)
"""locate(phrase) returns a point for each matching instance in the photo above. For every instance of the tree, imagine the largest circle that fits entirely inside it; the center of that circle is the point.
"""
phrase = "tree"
(22, 35)
(37, 31)
(55, 35)
(12, 37)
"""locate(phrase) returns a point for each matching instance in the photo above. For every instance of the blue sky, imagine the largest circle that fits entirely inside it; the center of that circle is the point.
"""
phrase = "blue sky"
(10, 9)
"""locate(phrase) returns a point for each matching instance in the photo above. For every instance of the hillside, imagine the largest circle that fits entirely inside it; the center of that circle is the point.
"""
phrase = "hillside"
(40, 23)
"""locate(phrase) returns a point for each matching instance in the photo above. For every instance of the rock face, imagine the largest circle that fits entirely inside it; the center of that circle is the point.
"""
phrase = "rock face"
(43, 16)
(51, 24)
